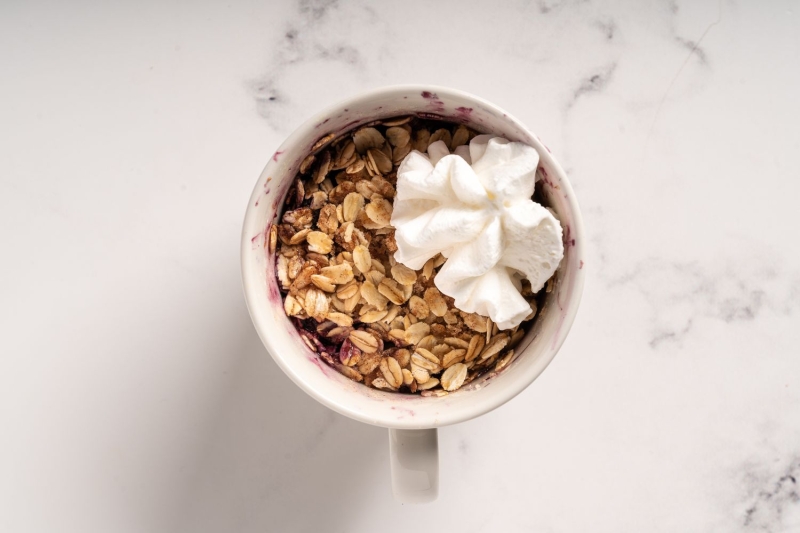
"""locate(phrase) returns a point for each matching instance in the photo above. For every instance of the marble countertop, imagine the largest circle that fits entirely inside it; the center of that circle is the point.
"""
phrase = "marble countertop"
(135, 395)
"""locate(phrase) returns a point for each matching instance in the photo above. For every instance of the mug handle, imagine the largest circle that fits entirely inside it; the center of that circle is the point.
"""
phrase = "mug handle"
(414, 459)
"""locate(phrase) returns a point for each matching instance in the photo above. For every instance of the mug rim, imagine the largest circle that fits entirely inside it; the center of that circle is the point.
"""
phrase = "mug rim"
(249, 280)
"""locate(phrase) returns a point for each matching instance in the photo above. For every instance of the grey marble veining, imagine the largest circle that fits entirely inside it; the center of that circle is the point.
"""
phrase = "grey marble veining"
(325, 35)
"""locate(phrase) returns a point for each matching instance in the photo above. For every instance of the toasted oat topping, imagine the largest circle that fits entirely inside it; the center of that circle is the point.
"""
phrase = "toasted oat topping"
(374, 320)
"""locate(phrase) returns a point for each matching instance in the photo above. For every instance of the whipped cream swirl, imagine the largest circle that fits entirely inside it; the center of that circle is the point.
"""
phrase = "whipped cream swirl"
(475, 208)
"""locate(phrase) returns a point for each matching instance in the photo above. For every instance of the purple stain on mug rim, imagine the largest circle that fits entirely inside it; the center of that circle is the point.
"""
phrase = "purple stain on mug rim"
(409, 412)
(434, 100)
(318, 363)
(547, 180)
(276, 155)
(567, 239)
(543, 144)
(274, 294)
(430, 116)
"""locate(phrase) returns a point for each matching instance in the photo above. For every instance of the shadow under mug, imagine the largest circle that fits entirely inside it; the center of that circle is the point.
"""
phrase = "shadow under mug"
(412, 420)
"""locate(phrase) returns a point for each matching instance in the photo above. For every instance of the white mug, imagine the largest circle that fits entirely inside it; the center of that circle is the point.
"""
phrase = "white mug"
(412, 420)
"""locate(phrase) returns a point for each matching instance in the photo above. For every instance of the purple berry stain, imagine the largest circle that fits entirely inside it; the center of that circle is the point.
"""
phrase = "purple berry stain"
(274, 294)
(568, 240)
(431, 116)
(434, 100)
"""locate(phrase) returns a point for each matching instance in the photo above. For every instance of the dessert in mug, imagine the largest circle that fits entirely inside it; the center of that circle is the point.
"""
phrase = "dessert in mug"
(413, 254)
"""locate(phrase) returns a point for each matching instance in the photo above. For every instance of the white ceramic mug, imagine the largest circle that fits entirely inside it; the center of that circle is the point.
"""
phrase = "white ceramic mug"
(412, 420)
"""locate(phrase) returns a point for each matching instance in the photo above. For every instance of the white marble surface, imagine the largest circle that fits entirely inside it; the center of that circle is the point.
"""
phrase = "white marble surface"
(135, 395)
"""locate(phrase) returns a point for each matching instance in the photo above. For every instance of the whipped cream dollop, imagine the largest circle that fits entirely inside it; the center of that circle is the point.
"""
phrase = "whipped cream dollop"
(475, 208)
